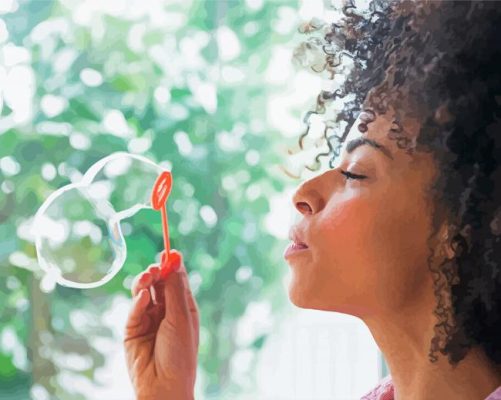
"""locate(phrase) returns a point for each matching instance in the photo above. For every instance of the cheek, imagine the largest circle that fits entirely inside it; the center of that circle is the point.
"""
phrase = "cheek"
(347, 252)
(370, 250)
(347, 234)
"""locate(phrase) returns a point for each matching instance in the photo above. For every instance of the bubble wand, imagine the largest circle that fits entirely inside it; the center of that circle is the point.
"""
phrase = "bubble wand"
(159, 194)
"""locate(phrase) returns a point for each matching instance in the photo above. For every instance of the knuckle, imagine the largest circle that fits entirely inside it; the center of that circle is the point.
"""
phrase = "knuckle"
(193, 304)
(155, 270)
(145, 276)
(152, 267)
(139, 281)
(135, 283)
(185, 316)
(178, 318)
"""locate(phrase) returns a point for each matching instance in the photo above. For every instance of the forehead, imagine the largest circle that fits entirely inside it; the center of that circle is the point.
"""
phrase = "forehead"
(379, 129)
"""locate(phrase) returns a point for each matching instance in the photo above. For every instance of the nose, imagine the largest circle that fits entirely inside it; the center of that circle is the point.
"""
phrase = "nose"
(307, 199)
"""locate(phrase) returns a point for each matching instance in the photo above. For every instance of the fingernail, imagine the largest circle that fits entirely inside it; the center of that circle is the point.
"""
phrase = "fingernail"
(176, 262)
(173, 263)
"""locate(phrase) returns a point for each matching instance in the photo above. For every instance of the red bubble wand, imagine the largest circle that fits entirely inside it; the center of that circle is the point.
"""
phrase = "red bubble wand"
(161, 191)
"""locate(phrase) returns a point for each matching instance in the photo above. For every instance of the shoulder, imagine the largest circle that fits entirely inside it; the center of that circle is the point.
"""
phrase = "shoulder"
(383, 391)
(496, 395)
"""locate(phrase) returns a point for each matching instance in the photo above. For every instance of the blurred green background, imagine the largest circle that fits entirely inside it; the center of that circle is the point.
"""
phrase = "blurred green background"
(188, 84)
(205, 89)
(182, 83)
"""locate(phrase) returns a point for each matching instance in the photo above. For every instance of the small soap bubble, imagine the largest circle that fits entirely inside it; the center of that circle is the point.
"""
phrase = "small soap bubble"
(78, 233)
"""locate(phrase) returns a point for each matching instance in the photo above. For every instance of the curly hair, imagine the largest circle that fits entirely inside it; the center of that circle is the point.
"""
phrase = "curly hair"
(439, 62)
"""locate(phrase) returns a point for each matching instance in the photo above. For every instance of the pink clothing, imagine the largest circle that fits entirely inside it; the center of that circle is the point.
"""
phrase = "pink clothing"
(384, 391)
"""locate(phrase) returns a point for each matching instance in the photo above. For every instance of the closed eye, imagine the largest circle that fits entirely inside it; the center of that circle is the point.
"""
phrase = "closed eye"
(349, 175)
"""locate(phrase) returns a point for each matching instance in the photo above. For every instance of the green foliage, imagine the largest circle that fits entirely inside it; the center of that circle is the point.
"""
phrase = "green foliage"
(141, 68)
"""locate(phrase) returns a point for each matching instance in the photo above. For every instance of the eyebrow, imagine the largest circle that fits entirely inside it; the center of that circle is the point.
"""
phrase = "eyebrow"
(353, 144)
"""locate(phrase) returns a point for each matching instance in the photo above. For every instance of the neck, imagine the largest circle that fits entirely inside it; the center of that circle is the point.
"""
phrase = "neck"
(404, 339)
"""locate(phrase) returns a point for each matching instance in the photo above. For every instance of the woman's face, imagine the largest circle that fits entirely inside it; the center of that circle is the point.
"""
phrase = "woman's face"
(367, 239)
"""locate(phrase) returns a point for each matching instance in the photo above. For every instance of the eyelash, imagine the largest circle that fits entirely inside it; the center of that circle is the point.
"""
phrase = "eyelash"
(349, 175)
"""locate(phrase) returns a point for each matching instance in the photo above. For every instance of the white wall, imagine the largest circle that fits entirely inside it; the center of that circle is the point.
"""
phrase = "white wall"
(316, 355)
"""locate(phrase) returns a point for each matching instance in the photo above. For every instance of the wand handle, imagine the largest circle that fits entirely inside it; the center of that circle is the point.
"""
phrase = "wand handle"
(165, 227)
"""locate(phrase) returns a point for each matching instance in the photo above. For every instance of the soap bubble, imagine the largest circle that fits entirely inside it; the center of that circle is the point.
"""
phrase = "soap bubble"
(78, 237)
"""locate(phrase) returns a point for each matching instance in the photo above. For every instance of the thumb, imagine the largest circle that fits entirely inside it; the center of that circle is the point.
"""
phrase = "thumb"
(176, 306)
(171, 263)
(136, 325)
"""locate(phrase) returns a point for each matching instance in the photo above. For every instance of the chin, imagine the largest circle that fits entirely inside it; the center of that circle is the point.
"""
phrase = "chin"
(297, 297)
(303, 298)
(306, 299)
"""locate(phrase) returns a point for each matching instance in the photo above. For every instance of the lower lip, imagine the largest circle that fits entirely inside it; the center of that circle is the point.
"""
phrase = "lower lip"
(294, 248)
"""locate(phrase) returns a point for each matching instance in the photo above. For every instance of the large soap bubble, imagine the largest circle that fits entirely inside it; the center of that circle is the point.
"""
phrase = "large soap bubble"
(78, 237)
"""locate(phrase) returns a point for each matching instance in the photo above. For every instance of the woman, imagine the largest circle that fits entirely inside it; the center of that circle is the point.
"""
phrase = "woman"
(405, 233)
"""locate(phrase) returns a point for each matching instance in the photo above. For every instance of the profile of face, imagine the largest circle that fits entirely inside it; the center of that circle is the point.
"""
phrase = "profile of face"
(367, 238)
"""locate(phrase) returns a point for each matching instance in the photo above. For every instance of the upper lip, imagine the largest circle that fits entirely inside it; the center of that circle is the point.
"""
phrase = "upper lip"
(296, 236)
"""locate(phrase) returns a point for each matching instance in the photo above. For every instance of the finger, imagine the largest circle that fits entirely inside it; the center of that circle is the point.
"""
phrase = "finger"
(192, 304)
(153, 295)
(135, 322)
(154, 270)
(159, 283)
(194, 313)
(141, 281)
(159, 289)
(176, 304)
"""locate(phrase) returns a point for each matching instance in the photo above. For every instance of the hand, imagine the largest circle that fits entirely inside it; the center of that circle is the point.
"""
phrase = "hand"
(162, 332)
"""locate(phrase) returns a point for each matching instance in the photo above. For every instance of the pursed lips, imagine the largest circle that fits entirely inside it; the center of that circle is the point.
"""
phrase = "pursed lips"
(297, 244)
(296, 238)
